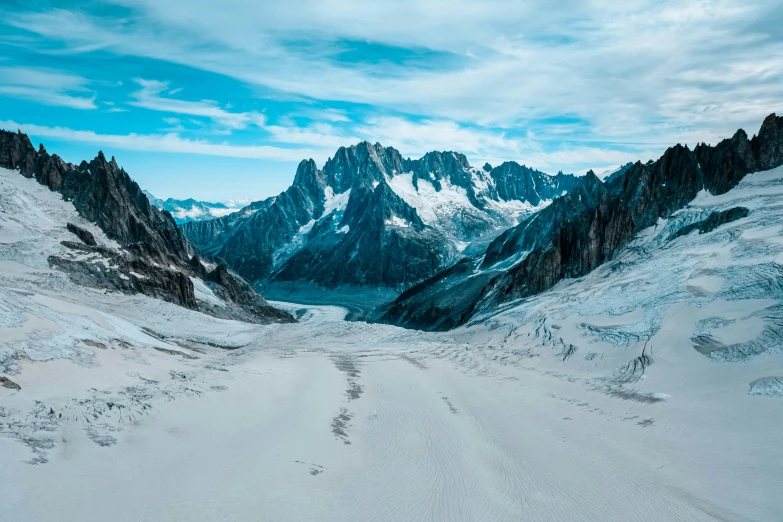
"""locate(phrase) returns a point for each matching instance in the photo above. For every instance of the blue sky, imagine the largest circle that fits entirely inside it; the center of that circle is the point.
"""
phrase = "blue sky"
(220, 100)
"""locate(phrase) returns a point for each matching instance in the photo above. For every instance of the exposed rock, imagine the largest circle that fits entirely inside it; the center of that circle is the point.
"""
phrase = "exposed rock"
(585, 228)
(5, 382)
(155, 257)
(83, 234)
(713, 221)
(352, 223)
(518, 182)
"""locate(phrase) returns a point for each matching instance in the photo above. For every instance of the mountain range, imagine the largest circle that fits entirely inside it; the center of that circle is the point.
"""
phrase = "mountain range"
(585, 228)
(446, 241)
(142, 251)
(187, 210)
(371, 218)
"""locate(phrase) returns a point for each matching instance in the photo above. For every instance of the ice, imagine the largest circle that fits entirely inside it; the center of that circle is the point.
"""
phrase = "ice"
(205, 293)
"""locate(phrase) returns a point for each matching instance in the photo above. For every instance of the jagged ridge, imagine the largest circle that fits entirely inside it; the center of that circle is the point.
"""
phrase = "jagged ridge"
(373, 218)
(585, 228)
(153, 246)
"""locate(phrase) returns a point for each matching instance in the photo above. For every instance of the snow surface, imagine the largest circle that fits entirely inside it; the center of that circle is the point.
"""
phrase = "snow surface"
(396, 221)
(444, 209)
(335, 202)
(205, 293)
(432, 206)
(648, 390)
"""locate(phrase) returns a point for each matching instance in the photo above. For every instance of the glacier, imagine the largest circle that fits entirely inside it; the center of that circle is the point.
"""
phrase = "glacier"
(648, 389)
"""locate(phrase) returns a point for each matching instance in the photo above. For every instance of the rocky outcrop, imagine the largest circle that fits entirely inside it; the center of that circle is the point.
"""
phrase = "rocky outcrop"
(373, 218)
(518, 182)
(155, 258)
(83, 234)
(713, 221)
(585, 228)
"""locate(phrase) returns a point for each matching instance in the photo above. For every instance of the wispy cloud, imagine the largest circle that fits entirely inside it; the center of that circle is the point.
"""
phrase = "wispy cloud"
(495, 79)
(149, 97)
(46, 86)
(169, 142)
(632, 70)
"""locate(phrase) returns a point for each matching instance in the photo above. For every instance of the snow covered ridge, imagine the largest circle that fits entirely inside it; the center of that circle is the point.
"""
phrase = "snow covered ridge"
(586, 228)
(147, 255)
(369, 203)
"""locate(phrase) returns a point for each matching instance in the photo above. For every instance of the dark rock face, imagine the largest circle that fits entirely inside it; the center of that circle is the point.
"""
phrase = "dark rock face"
(370, 253)
(713, 221)
(585, 228)
(85, 235)
(523, 238)
(374, 236)
(5, 382)
(132, 275)
(16, 152)
(442, 302)
(515, 181)
(156, 257)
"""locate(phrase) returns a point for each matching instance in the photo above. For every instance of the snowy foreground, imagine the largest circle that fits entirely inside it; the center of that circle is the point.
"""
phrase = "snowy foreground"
(651, 389)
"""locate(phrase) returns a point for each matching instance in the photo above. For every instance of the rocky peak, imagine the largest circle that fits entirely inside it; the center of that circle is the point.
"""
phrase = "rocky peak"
(519, 182)
(17, 152)
(361, 164)
(768, 145)
(312, 182)
(437, 167)
(103, 193)
(588, 226)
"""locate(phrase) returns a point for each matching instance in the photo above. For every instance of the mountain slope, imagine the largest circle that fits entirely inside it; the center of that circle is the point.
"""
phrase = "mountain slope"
(147, 254)
(584, 229)
(373, 218)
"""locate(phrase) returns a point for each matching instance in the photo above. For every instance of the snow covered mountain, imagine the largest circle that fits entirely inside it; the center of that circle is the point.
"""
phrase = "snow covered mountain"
(373, 218)
(648, 390)
(587, 227)
(186, 210)
(98, 227)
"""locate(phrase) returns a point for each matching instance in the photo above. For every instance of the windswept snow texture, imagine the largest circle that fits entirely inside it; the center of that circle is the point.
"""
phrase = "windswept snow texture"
(649, 390)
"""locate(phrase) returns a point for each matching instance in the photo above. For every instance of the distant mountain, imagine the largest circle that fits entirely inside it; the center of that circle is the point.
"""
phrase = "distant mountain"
(187, 210)
(372, 218)
(145, 252)
(585, 228)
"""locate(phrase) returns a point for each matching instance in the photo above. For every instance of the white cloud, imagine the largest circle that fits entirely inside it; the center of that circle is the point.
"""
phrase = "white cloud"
(479, 145)
(418, 138)
(638, 75)
(170, 142)
(149, 97)
(46, 86)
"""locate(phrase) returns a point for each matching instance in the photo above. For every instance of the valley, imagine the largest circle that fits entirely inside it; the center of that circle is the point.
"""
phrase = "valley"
(592, 401)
